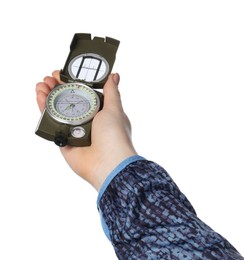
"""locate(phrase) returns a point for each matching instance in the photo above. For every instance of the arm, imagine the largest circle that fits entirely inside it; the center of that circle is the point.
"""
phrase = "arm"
(144, 214)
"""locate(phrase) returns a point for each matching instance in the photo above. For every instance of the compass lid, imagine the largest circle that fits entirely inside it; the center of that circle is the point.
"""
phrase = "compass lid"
(90, 61)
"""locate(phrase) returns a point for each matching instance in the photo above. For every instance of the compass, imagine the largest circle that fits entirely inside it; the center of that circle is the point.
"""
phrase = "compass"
(72, 103)
(71, 107)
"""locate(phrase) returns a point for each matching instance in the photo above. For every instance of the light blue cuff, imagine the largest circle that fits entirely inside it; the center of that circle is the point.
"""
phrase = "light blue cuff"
(110, 177)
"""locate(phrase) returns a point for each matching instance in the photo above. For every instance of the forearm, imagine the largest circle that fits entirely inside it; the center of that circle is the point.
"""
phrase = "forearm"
(146, 215)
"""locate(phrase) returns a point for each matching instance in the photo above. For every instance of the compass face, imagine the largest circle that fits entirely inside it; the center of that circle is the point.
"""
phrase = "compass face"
(89, 67)
(72, 103)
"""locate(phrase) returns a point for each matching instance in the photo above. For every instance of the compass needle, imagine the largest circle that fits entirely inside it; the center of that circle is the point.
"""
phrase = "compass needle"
(67, 108)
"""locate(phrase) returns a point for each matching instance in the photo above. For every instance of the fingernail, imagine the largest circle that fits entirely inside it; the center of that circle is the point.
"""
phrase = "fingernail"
(116, 78)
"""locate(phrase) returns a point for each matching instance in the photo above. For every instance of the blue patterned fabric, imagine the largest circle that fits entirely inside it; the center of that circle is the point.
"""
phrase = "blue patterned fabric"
(146, 216)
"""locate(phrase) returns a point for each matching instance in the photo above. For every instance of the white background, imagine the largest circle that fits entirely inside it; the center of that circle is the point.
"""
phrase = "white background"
(181, 65)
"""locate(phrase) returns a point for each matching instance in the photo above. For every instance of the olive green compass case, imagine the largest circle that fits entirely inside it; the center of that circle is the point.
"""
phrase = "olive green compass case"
(82, 44)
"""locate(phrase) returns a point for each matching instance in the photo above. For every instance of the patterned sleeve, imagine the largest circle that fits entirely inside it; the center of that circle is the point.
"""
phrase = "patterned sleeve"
(145, 216)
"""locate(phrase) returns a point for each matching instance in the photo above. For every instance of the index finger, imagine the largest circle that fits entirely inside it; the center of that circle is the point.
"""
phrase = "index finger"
(56, 75)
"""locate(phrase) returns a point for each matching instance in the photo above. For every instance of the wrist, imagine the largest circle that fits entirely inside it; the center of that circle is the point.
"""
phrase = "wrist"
(106, 165)
(122, 165)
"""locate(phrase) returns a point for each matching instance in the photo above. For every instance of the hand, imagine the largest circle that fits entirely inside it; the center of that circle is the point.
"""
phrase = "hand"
(111, 134)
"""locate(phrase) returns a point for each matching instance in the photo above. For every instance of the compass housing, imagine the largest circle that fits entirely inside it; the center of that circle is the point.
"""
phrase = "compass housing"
(71, 107)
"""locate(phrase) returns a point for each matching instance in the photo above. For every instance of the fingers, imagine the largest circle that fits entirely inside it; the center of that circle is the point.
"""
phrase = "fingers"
(41, 99)
(44, 88)
(47, 85)
(50, 81)
(56, 75)
(111, 92)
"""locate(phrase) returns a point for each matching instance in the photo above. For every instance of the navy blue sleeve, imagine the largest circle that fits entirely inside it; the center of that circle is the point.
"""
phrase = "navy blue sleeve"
(146, 216)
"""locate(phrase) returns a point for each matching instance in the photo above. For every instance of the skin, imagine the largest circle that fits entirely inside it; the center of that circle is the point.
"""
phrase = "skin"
(111, 134)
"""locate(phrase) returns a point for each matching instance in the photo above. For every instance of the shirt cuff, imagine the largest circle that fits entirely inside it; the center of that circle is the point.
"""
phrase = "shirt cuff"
(106, 183)
(117, 170)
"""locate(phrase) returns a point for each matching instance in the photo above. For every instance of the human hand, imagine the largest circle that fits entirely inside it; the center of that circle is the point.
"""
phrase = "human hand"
(111, 134)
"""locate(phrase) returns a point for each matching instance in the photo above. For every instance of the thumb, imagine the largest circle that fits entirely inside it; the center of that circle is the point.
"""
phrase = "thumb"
(111, 92)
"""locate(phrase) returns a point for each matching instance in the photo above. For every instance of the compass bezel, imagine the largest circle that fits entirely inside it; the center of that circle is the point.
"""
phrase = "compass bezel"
(79, 89)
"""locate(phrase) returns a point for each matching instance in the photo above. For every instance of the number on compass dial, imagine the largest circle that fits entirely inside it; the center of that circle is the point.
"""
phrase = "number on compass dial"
(72, 103)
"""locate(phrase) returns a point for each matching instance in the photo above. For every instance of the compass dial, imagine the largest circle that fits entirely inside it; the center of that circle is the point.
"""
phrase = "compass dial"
(72, 103)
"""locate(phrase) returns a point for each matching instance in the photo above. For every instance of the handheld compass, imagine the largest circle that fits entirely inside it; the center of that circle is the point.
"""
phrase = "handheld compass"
(71, 107)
